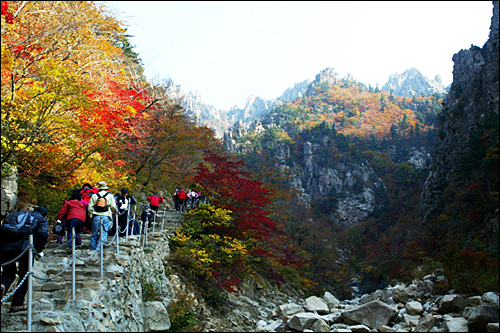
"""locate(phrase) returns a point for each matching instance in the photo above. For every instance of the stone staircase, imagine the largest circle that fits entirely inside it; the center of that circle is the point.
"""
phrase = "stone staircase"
(56, 294)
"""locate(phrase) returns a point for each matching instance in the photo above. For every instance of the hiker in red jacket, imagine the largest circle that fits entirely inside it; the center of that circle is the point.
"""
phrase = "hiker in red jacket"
(87, 191)
(75, 212)
(154, 201)
(179, 197)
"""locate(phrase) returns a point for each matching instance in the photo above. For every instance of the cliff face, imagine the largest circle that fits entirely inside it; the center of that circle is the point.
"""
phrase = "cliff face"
(349, 190)
(473, 94)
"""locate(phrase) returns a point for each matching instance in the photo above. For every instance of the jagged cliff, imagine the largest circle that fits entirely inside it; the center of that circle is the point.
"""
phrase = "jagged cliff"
(222, 120)
(473, 95)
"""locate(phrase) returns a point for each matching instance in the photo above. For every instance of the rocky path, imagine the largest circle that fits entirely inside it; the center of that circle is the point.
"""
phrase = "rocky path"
(53, 308)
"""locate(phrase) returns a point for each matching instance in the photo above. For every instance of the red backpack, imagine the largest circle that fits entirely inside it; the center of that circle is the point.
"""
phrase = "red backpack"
(181, 194)
(86, 194)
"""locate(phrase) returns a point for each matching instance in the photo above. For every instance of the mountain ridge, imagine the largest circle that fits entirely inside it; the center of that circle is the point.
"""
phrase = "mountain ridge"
(409, 83)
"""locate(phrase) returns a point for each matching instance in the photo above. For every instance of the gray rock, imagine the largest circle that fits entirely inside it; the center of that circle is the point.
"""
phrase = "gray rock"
(414, 308)
(410, 320)
(369, 298)
(301, 321)
(316, 304)
(273, 326)
(331, 300)
(474, 301)
(359, 328)
(492, 327)
(481, 316)
(156, 317)
(491, 299)
(458, 324)
(373, 315)
(261, 323)
(320, 326)
(452, 303)
(286, 310)
(425, 324)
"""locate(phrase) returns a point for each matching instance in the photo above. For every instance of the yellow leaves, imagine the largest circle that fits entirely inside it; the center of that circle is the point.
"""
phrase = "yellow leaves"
(6, 58)
(181, 237)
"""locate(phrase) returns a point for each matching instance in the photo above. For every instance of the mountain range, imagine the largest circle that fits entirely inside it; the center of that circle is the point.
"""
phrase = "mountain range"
(409, 83)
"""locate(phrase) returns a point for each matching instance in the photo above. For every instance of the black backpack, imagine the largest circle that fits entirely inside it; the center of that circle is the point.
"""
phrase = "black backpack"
(17, 225)
(101, 205)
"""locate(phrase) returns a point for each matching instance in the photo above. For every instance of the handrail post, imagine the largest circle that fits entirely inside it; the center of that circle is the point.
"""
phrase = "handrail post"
(146, 224)
(154, 221)
(140, 232)
(73, 288)
(30, 281)
(102, 248)
(128, 221)
(117, 235)
(163, 219)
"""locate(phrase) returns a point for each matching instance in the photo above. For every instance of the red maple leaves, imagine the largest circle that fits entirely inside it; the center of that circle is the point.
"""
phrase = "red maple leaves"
(230, 188)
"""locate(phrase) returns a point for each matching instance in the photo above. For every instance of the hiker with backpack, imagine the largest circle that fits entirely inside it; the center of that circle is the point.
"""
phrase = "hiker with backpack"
(192, 195)
(179, 197)
(154, 201)
(75, 213)
(87, 192)
(147, 218)
(15, 239)
(124, 202)
(101, 206)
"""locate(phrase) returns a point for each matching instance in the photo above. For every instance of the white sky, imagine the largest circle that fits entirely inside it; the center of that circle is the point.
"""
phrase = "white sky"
(228, 51)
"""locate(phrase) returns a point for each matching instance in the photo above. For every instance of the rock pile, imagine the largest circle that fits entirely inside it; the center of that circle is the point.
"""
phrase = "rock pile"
(398, 308)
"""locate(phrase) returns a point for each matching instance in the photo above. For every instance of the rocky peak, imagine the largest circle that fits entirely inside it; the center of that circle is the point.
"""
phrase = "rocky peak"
(412, 83)
(297, 91)
(326, 75)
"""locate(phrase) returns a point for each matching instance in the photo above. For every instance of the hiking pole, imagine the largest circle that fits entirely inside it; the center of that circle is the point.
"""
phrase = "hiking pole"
(101, 248)
(30, 280)
(73, 258)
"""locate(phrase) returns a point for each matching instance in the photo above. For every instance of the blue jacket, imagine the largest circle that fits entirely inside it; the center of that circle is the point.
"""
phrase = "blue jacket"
(40, 230)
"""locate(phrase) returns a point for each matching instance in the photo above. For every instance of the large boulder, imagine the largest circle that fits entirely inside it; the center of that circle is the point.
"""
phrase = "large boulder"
(320, 326)
(155, 317)
(452, 303)
(316, 304)
(331, 300)
(286, 310)
(458, 324)
(302, 321)
(491, 299)
(474, 301)
(414, 308)
(425, 324)
(481, 316)
(374, 315)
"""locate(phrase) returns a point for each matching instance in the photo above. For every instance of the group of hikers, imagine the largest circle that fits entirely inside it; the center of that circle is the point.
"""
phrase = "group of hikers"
(183, 200)
(85, 209)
